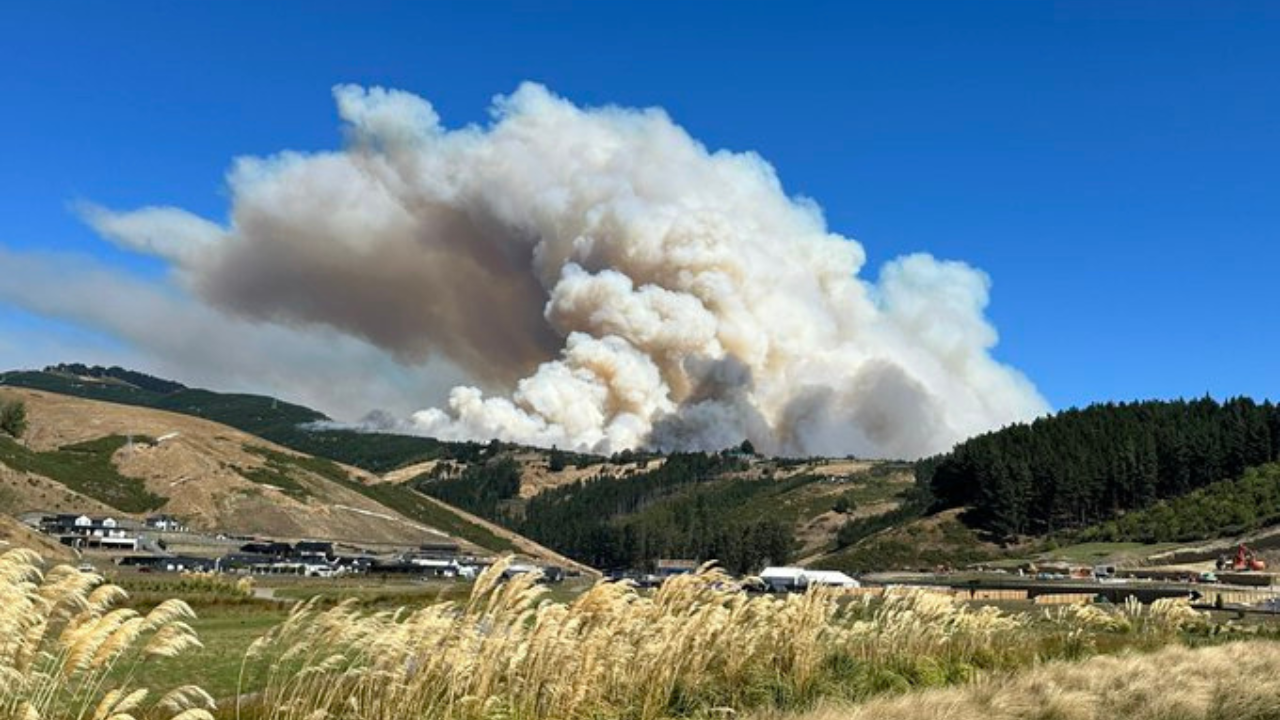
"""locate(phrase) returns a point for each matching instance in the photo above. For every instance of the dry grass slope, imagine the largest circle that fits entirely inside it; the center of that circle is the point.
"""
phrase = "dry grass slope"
(208, 474)
(14, 535)
(217, 478)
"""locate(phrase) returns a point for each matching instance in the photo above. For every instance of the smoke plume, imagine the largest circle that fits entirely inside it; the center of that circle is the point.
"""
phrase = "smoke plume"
(608, 281)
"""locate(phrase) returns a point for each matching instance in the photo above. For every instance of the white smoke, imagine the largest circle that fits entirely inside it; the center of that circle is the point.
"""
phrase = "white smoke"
(612, 282)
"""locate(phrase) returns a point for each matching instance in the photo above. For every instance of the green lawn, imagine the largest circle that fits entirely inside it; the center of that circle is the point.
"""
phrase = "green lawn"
(228, 626)
(226, 632)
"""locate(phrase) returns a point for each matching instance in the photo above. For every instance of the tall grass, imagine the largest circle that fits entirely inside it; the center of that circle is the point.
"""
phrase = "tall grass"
(1236, 681)
(695, 645)
(67, 651)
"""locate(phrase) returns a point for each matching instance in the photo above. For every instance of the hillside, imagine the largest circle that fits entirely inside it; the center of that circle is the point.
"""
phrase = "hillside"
(269, 418)
(753, 509)
(88, 456)
(14, 535)
(1084, 467)
(1110, 473)
(924, 543)
(1224, 509)
(632, 510)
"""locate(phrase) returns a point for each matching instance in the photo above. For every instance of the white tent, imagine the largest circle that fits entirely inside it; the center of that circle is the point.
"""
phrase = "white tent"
(832, 578)
(797, 578)
(783, 578)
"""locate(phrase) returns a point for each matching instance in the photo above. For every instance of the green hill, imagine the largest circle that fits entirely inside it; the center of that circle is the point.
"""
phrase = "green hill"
(741, 510)
(1083, 467)
(1220, 510)
(913, 543)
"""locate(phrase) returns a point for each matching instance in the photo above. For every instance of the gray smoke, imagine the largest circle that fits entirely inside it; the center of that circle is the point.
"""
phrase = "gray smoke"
(606, 279)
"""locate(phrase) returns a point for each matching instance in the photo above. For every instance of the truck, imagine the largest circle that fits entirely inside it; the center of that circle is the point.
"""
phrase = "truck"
(1244, 560)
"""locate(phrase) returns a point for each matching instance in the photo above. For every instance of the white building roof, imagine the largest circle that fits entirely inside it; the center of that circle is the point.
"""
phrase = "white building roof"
(782, 573)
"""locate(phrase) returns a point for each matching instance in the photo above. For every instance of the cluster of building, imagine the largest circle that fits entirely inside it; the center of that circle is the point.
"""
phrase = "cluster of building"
(309, 558)
(315, 558)
(104, 533)
(142, 549)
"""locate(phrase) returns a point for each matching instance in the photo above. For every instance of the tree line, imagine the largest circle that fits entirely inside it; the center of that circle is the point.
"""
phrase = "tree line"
(1085, 466)
(483, 489)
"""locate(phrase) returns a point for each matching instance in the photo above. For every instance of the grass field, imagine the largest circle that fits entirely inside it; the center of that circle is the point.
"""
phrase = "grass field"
(920, 544)
(227, 632)
(1094, 552)
(396, 592)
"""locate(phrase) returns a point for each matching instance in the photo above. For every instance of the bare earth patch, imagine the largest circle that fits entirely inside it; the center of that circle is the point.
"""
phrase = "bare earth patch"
(536, 477)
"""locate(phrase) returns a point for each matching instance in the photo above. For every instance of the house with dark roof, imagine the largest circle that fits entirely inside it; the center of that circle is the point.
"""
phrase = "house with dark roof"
(312, 549)
(269, 549)
(438, 549)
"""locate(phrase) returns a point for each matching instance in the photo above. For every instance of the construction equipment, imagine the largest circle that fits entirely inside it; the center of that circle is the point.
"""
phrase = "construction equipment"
(1245, 560)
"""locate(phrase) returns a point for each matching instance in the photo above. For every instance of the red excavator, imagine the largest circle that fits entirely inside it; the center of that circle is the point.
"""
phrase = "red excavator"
(1244, 560)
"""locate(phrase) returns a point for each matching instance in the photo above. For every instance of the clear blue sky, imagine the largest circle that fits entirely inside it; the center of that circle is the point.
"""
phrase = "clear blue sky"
(1116, 171)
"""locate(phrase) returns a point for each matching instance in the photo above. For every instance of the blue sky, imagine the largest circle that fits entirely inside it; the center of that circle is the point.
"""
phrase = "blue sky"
(1112, 166)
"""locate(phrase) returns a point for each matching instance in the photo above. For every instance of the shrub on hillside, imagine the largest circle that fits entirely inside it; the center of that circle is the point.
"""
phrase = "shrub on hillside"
(13, 418)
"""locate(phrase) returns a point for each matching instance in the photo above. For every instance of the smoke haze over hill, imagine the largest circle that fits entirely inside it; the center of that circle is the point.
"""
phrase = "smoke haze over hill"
(601, 280)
